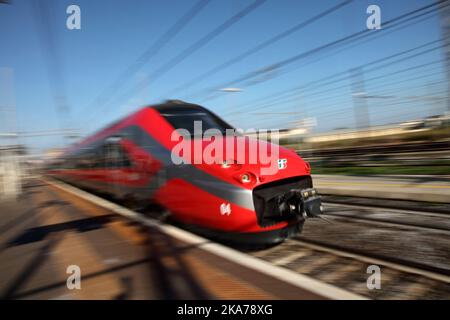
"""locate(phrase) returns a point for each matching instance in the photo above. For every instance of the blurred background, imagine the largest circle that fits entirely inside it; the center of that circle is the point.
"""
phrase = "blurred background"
(360, 89)
(348, 98)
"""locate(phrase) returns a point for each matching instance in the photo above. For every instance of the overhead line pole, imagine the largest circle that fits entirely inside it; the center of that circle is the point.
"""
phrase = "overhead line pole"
(414, 14)
(51, 55)
(445, 24)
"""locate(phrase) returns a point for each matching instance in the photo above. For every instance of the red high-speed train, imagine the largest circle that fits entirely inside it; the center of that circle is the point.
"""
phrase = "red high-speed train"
(229, 200)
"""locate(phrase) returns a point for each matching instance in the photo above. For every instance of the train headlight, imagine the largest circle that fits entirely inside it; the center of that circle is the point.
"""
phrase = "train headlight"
(245, 178)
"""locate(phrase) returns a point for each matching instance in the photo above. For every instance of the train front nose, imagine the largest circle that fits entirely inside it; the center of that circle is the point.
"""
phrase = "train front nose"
(290, 199)
(304, 202)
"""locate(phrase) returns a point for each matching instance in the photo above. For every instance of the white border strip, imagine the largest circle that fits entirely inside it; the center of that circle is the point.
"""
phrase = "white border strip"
(288, 276)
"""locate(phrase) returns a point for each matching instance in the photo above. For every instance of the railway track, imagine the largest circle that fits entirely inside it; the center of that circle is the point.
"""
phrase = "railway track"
(391, 204)
(389, 217)
(346, 267)
(348, 270)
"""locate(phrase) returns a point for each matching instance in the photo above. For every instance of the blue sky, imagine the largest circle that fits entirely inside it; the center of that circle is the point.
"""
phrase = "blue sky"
(114, 33)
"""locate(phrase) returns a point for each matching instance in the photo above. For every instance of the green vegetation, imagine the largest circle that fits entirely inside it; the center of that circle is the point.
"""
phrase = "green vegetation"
(408, 162)
(435, 134)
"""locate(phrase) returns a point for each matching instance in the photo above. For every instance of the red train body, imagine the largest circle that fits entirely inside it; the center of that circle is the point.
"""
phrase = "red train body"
(233, 201)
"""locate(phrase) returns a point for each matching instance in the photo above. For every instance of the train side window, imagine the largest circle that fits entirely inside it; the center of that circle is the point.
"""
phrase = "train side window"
(99, 157)
(115, 156)
(124, 159)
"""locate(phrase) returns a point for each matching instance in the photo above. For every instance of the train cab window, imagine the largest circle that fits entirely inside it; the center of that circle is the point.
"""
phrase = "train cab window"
(183, 117)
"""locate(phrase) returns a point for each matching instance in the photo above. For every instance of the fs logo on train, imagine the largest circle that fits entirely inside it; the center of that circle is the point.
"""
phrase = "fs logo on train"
(282, 164)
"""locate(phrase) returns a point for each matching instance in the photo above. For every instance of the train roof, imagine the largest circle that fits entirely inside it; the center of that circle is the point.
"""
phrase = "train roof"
(170, 106)
(176, 105)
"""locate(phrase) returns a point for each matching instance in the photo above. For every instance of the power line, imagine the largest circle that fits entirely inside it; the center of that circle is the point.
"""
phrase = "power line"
(445, 24)
(338, 111)
(329, 77)
(193, 48)
(190, 50)
(384, 84)
(337, 103)
(342, 112)
(259, 47)
(358, 43)
(342, 86)
(53, 63)
(332, 78)
(342, 41)
(150, 52)
(370, 36)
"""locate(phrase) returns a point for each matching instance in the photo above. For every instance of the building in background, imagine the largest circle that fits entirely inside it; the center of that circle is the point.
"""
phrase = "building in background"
(11, 171)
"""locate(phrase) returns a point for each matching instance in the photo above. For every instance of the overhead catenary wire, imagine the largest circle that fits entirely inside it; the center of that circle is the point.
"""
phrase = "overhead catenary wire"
(251, 81)
(278, 37)
(52, 62)
(408, 17)
(337, 103)
(331, 80)
(391, 94)
(145, 56)
(390, 98)
(414, 14)
(184, 54)
(314, 105)
(264, 106)
(382, 85)
(333, 52)
(191, 49)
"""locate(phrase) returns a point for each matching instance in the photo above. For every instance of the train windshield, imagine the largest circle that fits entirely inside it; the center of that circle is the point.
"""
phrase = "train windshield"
(186, 117)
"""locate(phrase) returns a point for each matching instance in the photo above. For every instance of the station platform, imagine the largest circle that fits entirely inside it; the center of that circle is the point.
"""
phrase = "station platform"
(53, 226)
(398, 187)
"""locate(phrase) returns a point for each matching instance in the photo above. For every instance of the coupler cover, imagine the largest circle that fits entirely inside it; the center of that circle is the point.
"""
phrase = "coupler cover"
(312, 204)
